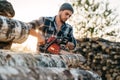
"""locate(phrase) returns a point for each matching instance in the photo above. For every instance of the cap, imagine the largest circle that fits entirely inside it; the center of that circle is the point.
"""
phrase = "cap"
(66, 6)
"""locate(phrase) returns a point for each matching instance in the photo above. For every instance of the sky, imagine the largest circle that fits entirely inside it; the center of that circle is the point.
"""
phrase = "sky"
(27, 10)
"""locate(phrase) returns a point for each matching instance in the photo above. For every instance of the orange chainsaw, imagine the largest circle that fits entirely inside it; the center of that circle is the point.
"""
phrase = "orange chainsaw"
(54, 45)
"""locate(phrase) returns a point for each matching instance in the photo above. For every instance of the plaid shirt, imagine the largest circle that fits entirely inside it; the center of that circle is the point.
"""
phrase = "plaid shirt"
(48, 27)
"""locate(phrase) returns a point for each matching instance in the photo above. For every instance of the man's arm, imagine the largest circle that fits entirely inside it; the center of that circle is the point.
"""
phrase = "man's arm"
(72, 41)
(36, 24)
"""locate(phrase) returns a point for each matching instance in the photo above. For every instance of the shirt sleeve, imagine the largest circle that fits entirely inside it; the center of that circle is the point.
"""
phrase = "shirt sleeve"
(36, 24)
(72, 38)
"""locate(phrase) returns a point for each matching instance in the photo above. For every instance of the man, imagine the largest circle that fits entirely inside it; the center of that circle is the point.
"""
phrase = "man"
(57, 25)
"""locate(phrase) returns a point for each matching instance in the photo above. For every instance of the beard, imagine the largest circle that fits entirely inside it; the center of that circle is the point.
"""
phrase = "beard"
(61, 19)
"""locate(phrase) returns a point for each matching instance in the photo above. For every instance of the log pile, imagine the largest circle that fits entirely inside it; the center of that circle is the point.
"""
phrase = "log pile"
(101, 56)
(26, 66)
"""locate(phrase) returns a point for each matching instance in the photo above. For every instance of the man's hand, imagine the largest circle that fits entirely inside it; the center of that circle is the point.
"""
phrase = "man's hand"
(41, 39)
(70, 45)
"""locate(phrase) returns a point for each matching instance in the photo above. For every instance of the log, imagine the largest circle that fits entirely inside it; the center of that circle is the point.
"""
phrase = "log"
(41, 73)
(9, 58)
(13, 30)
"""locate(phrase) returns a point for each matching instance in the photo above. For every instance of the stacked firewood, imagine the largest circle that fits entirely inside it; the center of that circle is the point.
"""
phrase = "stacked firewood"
(101, 56)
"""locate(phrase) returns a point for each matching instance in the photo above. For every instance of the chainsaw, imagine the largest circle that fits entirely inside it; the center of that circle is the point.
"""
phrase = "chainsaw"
(54, 45)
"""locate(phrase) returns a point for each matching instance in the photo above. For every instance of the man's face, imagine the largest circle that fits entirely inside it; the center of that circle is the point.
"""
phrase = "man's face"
(65, 15)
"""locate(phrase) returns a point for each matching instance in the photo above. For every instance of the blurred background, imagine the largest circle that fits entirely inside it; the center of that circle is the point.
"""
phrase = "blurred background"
(97, 18)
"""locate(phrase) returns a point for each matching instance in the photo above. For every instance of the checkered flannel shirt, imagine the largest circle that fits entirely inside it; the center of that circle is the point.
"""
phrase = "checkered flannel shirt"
(47, 26)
